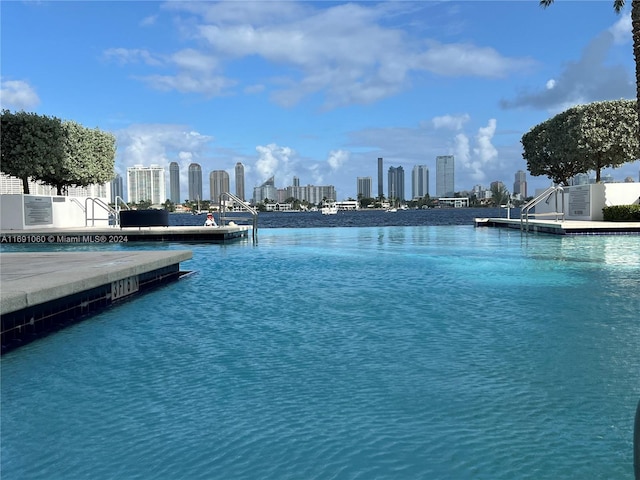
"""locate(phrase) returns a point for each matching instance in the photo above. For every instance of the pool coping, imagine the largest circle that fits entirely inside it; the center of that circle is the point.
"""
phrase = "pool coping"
(42, 292)
(562, 227)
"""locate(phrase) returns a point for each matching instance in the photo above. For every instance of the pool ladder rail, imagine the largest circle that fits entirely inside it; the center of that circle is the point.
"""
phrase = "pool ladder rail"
(545, 196)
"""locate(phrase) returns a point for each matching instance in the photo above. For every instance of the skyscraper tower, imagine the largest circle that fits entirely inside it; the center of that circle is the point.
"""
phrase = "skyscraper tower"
(239, 170)
(146, 184)
(117, 189)
(364, 187)
(380, 181)
(445, 176)
(218, 184)
(419, 181)
(396, 184)
(195, 182)
(174, 182)
(520, 184)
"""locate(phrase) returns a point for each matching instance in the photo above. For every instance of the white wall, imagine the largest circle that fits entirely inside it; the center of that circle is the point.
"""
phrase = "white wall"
(585, 202)
(24, 212)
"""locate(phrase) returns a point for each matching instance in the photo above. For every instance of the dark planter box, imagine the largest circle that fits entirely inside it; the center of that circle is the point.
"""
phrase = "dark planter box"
(144, 218)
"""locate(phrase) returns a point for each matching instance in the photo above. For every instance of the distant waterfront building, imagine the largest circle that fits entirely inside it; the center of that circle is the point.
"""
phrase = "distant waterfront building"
(218, 184)
(239, 171)
(395, 184)
(174, 182)
(117, 188)
(13, 185)
(314, 194)
(497, 185)
(146, 184)
(195, 182)
(364, 187)
(445, 171)
(520, 184)
(579, 179)
(608, 178)
(296, 181)
(380, 180)
(265, 191)
(419, 181)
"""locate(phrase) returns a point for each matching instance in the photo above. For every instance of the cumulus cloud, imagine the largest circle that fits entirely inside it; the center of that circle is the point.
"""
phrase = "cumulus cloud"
(485, 149)
(146, 144)
(586, 80)
(273, 159)
(337, 158)
(346, 53)
(622, 30)
(17, 95)
(451, 122)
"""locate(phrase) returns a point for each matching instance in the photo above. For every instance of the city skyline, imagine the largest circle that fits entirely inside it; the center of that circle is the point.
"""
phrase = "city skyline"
(316, 90)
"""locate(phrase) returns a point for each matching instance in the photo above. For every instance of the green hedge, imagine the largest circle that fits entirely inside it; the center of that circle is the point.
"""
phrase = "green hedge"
(622, 213)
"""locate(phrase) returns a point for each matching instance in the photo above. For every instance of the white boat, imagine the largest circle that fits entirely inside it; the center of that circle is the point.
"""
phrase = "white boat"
(391, 210)
(329, 208)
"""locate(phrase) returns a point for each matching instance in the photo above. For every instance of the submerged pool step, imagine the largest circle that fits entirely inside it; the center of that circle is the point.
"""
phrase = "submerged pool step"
(44, 292)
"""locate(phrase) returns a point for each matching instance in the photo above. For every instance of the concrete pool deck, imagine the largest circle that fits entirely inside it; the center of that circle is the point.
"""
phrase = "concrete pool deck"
(42, 292)
(562, 227)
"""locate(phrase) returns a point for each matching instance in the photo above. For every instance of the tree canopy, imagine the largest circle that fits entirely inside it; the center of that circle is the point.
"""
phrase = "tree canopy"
(31, 145)
(586, 137)
(58, 153)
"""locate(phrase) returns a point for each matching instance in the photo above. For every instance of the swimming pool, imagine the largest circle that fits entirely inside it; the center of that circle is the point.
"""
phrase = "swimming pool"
(374, 352)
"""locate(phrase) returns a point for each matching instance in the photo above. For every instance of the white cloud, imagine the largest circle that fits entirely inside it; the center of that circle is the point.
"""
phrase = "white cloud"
(346, 52)
(208, 85)
(148, 144)
(451, 122)
(337, 158)
(17, 95)
(485, 149)
(622, 30)
(469, 60)
(590, 78)
(273, 160)
(126, 56)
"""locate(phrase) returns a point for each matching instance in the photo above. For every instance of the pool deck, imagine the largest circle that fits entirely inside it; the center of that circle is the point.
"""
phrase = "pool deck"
(41, 292)
(566, 227)
(96, 235)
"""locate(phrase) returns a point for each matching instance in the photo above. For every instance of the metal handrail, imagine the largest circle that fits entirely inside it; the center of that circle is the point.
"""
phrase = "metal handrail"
(101, 204)
(546, 195)
(244, 206)
(118, 202)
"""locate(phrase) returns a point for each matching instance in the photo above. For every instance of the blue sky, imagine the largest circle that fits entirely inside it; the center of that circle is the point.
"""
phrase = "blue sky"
(317, 90)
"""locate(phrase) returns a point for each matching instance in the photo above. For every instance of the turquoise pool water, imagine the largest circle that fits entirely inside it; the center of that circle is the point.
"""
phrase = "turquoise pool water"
(346, 353)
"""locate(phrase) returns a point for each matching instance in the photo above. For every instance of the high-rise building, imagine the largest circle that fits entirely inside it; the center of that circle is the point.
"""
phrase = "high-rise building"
(117, 188)
(579, 179)
(13, 185)
(146, 184)
(520, 184)
(266, 191)
(195, 182)
(239, 170)
(445, 176)
(380, 180)
(174, 182)
(396, 184)
(364, 187)
(218, 184)
(419, 181)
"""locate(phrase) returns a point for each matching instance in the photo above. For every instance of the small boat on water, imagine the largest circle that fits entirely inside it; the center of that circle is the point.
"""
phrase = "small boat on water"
(329, 208)
(391, 210)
